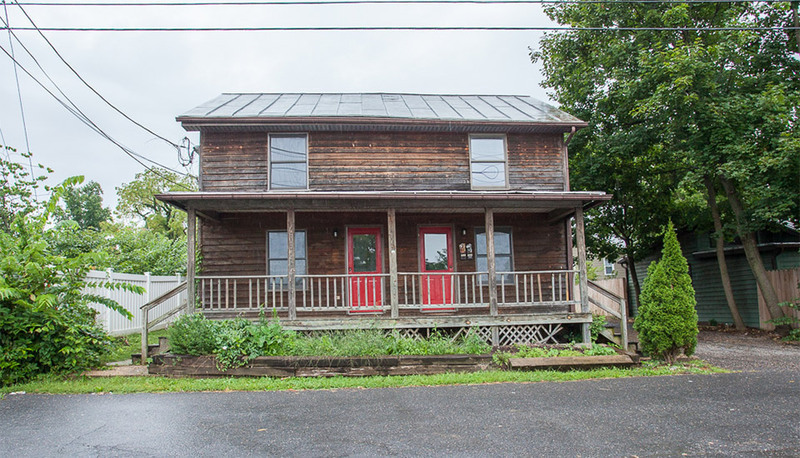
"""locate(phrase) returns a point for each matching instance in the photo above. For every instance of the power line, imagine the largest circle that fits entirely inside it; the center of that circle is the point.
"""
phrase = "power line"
(382, 2)
(171, 143)
(406, 28)
(134, 155)
(19, 94)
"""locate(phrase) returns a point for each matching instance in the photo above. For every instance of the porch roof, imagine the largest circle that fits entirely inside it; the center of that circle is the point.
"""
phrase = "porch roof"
(559, 204)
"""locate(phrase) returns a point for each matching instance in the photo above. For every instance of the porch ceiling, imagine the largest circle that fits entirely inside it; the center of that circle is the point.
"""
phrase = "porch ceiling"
(558, 204)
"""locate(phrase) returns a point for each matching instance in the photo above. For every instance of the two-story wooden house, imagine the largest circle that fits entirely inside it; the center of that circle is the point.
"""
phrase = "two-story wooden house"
(402, 211)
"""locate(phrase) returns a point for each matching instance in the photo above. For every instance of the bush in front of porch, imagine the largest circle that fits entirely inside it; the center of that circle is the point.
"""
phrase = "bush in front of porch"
(236, 342)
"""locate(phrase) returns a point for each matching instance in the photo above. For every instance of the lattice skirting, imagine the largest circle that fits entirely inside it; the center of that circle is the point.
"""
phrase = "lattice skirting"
(506, 335)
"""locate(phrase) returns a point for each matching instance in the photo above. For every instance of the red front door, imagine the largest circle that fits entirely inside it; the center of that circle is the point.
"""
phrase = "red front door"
(436, 265)
(363, 266)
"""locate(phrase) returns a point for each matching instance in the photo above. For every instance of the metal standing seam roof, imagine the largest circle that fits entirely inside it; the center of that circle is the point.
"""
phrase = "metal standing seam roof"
(430, 107)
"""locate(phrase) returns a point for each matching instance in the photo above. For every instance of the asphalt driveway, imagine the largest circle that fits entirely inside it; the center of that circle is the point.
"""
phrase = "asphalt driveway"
(749, 413)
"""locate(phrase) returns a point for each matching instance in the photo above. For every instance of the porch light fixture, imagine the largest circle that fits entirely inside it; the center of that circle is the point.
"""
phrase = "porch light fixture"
(463, 231)
(335, 233)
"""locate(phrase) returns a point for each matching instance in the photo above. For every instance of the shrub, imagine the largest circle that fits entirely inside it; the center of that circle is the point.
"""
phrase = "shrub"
(667, 320)
(597, 326)
(192, 335)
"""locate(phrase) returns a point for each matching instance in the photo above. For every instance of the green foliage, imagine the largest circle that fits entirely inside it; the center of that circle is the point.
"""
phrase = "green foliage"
(667, 320)
(124, 249)
(503, 358)
(237, 341)
(192, 335)
(789, 320)
(661, 103)
(137, 200)
(375, 342)
(597, 326)
(89, 385)
(17, 188)
(84, 205)
(599, 350)
(135, 250)
(45, 322)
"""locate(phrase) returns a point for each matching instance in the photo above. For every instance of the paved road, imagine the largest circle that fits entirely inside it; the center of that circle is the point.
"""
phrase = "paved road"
(745, 414)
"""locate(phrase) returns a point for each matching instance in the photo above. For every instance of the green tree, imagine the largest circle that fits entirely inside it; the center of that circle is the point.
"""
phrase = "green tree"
(45, 322)
(667, 319)
(137, 200)
(721, 103)
(18, 188)
(136, 251)
(84, 205)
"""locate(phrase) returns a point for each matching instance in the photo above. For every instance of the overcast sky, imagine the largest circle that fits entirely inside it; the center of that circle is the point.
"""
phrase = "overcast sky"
(155, 76)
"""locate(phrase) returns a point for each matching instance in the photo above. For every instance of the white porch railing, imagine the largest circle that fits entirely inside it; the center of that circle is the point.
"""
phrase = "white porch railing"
(364, 293)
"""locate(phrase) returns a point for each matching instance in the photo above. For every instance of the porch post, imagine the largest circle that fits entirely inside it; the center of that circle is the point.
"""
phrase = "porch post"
(291, 264)
(391, 224)
(191, 228)
(580, 235)
(490, 261)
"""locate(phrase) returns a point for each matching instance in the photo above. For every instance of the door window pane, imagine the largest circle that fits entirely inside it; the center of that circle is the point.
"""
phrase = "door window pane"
(364, 253)
(436, 251)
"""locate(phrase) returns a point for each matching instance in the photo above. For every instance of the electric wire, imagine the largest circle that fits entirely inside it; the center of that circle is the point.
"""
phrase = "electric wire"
(86, 83)
(380, 2)
(409, 28)
(19, 94)
(134, 155)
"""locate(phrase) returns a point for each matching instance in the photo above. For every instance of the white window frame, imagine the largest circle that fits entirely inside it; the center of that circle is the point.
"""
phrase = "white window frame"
(606, 265)
(505, 161)
(270, 162)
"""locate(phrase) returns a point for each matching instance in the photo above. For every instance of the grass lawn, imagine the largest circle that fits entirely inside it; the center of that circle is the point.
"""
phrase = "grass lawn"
(82, 384)
(125, 346)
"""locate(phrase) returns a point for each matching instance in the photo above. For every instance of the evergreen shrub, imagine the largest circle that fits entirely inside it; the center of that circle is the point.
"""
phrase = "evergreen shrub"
(667, 320)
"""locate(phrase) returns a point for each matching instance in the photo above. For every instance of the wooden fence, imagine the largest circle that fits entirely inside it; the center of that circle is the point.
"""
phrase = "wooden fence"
(785, 284)
(154, 286)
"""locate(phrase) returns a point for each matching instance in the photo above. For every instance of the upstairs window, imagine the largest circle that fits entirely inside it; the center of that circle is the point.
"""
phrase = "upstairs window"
(608, 267)
(487, 157)
(288, 161)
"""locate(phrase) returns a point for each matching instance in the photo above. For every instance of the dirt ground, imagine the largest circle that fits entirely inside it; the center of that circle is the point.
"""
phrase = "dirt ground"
(751, 350)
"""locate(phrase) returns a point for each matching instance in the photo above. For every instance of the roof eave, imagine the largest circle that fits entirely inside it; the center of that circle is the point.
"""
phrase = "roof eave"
(191, 123)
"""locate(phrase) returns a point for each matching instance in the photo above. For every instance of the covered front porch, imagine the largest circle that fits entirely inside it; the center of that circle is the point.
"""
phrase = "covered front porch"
(499, 263)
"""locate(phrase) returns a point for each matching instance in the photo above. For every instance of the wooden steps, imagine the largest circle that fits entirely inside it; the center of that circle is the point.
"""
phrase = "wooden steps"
(152, 349)
(612, 333)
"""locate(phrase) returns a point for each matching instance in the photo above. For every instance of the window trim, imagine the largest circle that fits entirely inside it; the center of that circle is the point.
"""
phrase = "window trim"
(502, 137)
(606, 265)
(270, 162)
(298, 285)
(504, 229)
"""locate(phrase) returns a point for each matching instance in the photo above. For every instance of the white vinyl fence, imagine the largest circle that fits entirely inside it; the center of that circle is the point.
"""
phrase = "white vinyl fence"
(154, 285)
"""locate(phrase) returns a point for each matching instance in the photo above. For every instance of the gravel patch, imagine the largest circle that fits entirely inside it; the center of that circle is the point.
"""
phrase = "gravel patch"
(751, 350)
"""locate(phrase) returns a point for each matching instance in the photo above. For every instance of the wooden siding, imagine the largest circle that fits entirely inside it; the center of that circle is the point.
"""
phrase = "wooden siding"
(375, 161)
(707, 283)
(237, 244)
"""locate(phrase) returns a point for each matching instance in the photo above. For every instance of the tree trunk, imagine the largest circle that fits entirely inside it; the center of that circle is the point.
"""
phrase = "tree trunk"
(720, 247)
(753, 256)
